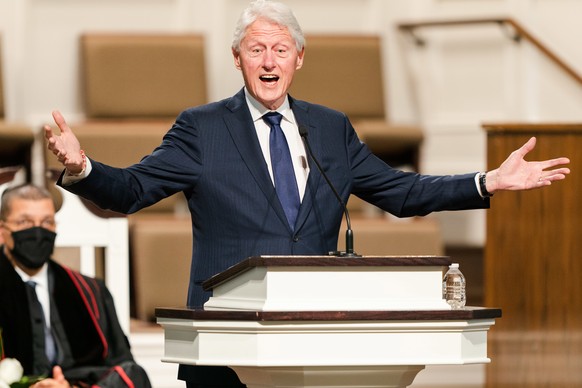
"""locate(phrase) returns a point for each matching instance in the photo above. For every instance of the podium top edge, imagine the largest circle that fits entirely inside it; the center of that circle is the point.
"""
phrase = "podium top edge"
(467, 313)
(324, 261)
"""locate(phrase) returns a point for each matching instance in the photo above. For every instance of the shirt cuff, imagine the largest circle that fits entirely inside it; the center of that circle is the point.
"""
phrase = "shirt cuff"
(69, 179)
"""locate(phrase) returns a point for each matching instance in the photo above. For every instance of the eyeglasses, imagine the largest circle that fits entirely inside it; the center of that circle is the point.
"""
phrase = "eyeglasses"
(26, 223)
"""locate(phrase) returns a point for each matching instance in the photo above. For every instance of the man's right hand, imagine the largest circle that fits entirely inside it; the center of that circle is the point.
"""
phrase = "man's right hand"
(65, 146)
(57, 381)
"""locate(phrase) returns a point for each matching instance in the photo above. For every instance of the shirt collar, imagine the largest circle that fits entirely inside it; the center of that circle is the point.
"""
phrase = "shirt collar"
(40, 278)
(258, 110)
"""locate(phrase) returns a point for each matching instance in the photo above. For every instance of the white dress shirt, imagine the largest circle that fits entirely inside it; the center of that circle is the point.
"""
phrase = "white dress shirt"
(42, 289)
(291, 131)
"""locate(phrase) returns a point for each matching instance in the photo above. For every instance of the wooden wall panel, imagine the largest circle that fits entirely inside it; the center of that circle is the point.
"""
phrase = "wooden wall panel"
(533, 266)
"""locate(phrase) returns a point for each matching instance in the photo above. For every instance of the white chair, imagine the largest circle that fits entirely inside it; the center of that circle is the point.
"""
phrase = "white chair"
(78, 227)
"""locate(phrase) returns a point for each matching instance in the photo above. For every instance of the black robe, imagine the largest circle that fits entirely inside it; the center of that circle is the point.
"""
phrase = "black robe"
(91, 339)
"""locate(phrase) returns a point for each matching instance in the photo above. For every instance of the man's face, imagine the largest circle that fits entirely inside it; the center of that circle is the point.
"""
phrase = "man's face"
(268, 59)
(25, 214)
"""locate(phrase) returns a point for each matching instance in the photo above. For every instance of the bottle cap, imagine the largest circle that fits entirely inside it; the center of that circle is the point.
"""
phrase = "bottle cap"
(454, 265)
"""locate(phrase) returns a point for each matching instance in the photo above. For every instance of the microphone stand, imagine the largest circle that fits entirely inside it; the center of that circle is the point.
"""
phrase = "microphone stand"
(349, 233)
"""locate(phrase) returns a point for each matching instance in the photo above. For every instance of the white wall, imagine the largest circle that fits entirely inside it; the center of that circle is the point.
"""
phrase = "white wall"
(469, 75)
(464, 76)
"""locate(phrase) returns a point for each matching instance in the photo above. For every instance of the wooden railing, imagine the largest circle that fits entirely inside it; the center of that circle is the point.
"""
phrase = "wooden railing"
(7, 174)
(520, 32)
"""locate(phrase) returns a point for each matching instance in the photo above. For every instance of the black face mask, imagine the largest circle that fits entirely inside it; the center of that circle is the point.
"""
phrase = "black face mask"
(34, 246)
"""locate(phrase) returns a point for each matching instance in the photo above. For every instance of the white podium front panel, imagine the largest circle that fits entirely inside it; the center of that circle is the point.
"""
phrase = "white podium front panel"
(370, 283)
(263, 344)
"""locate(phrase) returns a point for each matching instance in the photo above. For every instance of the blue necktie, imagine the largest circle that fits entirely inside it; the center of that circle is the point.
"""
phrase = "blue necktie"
(50, 347)
(283, 173)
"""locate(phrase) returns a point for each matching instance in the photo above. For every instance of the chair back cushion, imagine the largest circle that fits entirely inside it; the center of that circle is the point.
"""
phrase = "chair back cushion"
(343, 73)
(142, 75)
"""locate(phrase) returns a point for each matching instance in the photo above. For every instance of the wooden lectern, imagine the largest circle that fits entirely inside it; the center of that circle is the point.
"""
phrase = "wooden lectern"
(324, 321)
(532, 263)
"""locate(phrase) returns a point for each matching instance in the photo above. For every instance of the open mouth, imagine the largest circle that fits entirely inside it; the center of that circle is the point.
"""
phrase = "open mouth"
(269, 78)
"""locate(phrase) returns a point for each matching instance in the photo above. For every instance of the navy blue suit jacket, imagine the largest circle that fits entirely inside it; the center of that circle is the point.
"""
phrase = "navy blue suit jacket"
(213, 156)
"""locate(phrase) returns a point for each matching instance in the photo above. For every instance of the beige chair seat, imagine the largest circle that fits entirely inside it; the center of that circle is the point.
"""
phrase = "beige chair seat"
(377, 236)
(161, 249)
(397, 145)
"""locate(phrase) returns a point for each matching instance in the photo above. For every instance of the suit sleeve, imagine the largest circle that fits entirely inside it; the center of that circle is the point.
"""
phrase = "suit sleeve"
(406, 194)
(175, 165)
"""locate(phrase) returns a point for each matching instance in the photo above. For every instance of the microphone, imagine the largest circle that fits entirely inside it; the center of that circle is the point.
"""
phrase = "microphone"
(349, 233)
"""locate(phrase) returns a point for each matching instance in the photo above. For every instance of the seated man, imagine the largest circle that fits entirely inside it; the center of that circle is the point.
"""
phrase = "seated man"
(55, 321)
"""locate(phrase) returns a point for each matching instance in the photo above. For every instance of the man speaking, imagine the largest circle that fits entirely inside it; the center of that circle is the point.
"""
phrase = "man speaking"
(246, 175)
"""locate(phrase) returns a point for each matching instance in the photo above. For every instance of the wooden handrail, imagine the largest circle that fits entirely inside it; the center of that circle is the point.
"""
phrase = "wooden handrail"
(7, 174)
(547, 128)
(520, 32)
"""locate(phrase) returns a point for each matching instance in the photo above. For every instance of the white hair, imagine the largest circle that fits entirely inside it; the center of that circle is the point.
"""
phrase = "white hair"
(272, 11)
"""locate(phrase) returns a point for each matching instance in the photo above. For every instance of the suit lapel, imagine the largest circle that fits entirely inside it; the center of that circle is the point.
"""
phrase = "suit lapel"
(244, 135)
(242, 131)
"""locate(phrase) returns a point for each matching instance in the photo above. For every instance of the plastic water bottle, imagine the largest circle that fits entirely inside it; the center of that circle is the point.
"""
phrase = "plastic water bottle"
(454, 287)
